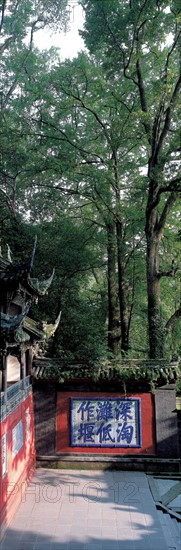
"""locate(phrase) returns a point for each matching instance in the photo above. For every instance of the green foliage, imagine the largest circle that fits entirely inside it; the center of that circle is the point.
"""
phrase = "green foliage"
(134, 51)
(17, 234)
(76, 139)
(140, 378)
(75, 255)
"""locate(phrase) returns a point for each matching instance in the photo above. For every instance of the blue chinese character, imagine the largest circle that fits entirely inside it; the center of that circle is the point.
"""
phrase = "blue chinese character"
(123, 410)
(87, 410)
(104, 432)
(86, 431)
(125, 432)
(104, 411)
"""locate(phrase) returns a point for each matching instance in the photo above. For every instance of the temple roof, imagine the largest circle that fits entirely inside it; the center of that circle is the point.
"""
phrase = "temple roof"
(34, 328)
(13, 274)
(19, 328)
(17, 286)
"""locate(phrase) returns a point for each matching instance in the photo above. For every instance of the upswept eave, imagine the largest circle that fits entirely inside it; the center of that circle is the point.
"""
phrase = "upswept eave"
(9, 323)
(40, 287)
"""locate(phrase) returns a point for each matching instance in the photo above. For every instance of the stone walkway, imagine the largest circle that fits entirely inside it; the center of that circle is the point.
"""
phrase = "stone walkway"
(86, 510)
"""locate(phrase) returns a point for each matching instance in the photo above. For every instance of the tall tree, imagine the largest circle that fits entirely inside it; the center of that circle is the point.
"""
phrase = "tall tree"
(78, 138)
(139, 44)
(76, 123)
(20, 63)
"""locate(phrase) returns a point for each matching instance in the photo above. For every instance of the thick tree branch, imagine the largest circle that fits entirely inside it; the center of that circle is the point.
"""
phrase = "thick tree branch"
(172, 185)
(172, 319)
(170, 273)
(168, 205)
(173, 46)
(167, 122)
(3, 7)
(143, 98)
(160, 112)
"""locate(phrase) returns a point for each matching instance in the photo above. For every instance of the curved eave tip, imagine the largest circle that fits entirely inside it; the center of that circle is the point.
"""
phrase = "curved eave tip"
(58, 319)
(49, 281)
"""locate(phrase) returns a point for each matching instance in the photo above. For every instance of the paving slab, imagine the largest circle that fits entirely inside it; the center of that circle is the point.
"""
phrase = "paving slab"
(86, 510)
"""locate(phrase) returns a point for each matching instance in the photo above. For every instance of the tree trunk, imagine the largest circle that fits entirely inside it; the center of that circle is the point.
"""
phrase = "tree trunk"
(124, 317)
(113, 311)
(155, 325)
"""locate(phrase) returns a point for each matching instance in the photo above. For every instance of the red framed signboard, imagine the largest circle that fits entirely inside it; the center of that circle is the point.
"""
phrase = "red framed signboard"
(104, 422)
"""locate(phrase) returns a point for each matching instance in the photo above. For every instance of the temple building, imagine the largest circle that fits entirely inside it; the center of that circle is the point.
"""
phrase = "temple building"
(19, 335)
(18, 332)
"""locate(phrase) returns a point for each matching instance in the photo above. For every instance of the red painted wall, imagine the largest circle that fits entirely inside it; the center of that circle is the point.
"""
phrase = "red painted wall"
(63, 424)
(20, 467)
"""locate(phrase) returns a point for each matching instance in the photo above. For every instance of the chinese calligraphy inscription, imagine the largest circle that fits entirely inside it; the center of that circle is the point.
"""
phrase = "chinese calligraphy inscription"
(105, 422)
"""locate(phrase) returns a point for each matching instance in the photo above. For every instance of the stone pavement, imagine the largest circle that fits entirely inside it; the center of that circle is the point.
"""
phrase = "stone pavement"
(86, 510)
